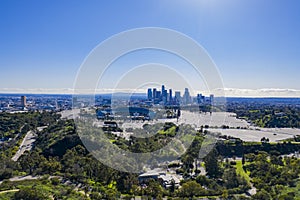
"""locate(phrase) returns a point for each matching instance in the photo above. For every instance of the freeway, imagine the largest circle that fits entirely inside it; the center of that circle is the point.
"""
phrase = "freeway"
(7, 191)
(27, 143)
(23, 178)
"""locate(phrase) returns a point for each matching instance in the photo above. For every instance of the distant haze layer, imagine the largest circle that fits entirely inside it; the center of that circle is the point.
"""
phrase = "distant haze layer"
(230, 92)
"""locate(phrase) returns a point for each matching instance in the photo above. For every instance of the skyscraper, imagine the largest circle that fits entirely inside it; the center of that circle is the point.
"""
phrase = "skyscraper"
(149, 94)
(170, 95)
(154, 93)
(186, 96)
(177, 97)
(158, 95)
(23, 101)
(200, 98)
(164, 94)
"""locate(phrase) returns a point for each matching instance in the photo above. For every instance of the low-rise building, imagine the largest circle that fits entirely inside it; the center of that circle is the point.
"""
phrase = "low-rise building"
(160, 175)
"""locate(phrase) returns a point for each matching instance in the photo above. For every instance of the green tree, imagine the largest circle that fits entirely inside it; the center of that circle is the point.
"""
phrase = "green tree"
(212, 165)
(262, 195)
(191, 189)
(230, 178)
(31, 194)
(154, 189)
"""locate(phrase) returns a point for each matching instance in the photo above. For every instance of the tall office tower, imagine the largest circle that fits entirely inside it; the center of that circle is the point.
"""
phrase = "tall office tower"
(23, 101)
(177, 97)
(170, 95)
(200, 98)
(162, 88)
(154, 93)
(186, 96)
(149, 94)
(164, 94)
(158, 95)
(164, 97)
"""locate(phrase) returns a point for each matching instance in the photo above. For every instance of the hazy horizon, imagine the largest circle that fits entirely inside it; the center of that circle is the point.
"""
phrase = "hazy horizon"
(230, 92)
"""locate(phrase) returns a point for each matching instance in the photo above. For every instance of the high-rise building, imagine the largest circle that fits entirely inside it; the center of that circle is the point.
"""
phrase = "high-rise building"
(154, 93)
(162, 88)
(149, 94)
(23, 101)
(170, 95)
(186, 96)
(177, 97)
(200, 98)
(164, 94)
(158, 95)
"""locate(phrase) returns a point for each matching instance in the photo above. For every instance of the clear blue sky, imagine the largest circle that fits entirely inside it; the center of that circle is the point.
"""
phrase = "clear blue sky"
(254, 43)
